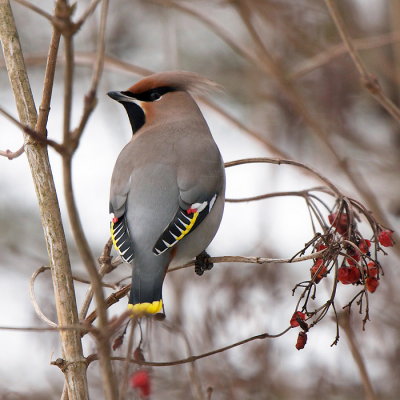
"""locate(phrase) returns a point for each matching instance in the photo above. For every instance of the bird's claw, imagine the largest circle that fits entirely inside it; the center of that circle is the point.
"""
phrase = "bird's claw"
(202, 264)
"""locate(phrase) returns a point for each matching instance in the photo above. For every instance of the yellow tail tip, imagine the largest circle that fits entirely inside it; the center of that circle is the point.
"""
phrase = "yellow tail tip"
(146, 308)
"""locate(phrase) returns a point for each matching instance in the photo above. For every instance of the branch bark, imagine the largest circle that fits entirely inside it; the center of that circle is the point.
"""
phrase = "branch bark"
(71, 347)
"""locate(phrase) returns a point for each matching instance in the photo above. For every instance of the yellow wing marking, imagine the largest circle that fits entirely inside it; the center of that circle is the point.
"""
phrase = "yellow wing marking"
(189, 227)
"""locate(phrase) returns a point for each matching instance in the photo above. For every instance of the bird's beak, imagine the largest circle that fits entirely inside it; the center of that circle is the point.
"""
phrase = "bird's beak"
(118, 96)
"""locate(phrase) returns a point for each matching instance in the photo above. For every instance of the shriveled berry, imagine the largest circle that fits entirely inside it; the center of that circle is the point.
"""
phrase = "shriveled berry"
(141, 380)
(314, 269)
(297, 315)
(371, 284)
(118, 342)
(364, 245)
(385, 238)
(301, 340)
(138, 354)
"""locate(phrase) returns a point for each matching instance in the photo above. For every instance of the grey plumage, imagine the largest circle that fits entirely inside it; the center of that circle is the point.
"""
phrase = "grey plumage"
(171, 163)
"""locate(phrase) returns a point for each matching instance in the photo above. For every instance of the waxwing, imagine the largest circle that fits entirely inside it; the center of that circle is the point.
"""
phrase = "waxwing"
(168, 185)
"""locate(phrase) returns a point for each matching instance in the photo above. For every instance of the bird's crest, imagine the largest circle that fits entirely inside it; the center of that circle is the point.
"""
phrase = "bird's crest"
(179, 80)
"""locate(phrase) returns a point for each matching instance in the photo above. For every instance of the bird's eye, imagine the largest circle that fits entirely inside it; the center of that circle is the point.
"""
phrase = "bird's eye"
(155, 96)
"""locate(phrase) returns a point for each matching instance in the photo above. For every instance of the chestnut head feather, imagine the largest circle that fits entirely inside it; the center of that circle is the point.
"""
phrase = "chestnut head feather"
(179, 80)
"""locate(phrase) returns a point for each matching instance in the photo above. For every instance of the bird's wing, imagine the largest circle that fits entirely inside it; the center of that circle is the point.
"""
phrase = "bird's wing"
(118, 225)
(184, 222)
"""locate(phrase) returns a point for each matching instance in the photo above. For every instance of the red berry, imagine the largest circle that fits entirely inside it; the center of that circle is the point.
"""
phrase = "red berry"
(355, 275)
(141, 380)
(347, 275)
(315, 268)
(385, 238)
(332, 217)
(372, 270)
(301, 340)
(340, 223)
(320, 246)
(295, 316)
(364, 245)
(344, 275)
(372, 284)
(352, 253)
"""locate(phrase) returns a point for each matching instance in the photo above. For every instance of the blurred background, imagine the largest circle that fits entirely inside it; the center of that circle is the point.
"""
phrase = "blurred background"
(291, 91)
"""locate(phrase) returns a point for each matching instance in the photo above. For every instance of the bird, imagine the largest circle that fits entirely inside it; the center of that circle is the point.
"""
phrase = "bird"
(167, 189)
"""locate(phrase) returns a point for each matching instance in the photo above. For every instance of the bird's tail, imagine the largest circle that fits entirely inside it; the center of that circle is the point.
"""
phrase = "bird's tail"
(146, 292)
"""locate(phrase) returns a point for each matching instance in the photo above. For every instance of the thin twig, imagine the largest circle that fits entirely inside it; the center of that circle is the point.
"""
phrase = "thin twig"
(68, 82)
(368, 80)
(195, 358)
(253, 134)
(89, 11)
(104, 268)
(33, 298)
(125, 373)
(226, 36)
(338, 50)
(117, 296)
(194, 375)
(12, 154)
(300, 193)
(82, 328)
(39, 11)
(90, 98)
(344, 322)
(279, 161)
(252, 260)
(33, 134)
(44, 108)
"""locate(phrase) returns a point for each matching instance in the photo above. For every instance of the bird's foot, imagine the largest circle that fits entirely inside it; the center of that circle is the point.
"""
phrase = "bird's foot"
(202, 264)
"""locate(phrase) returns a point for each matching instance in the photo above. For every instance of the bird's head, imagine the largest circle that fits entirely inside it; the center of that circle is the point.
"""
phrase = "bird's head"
(162, 95)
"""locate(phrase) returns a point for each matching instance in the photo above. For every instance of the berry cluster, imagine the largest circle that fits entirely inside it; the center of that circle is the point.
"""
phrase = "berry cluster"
(346, 254)
(357, 256)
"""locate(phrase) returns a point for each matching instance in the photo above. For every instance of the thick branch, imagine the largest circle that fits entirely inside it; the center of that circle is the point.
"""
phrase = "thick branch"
(48, 204)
